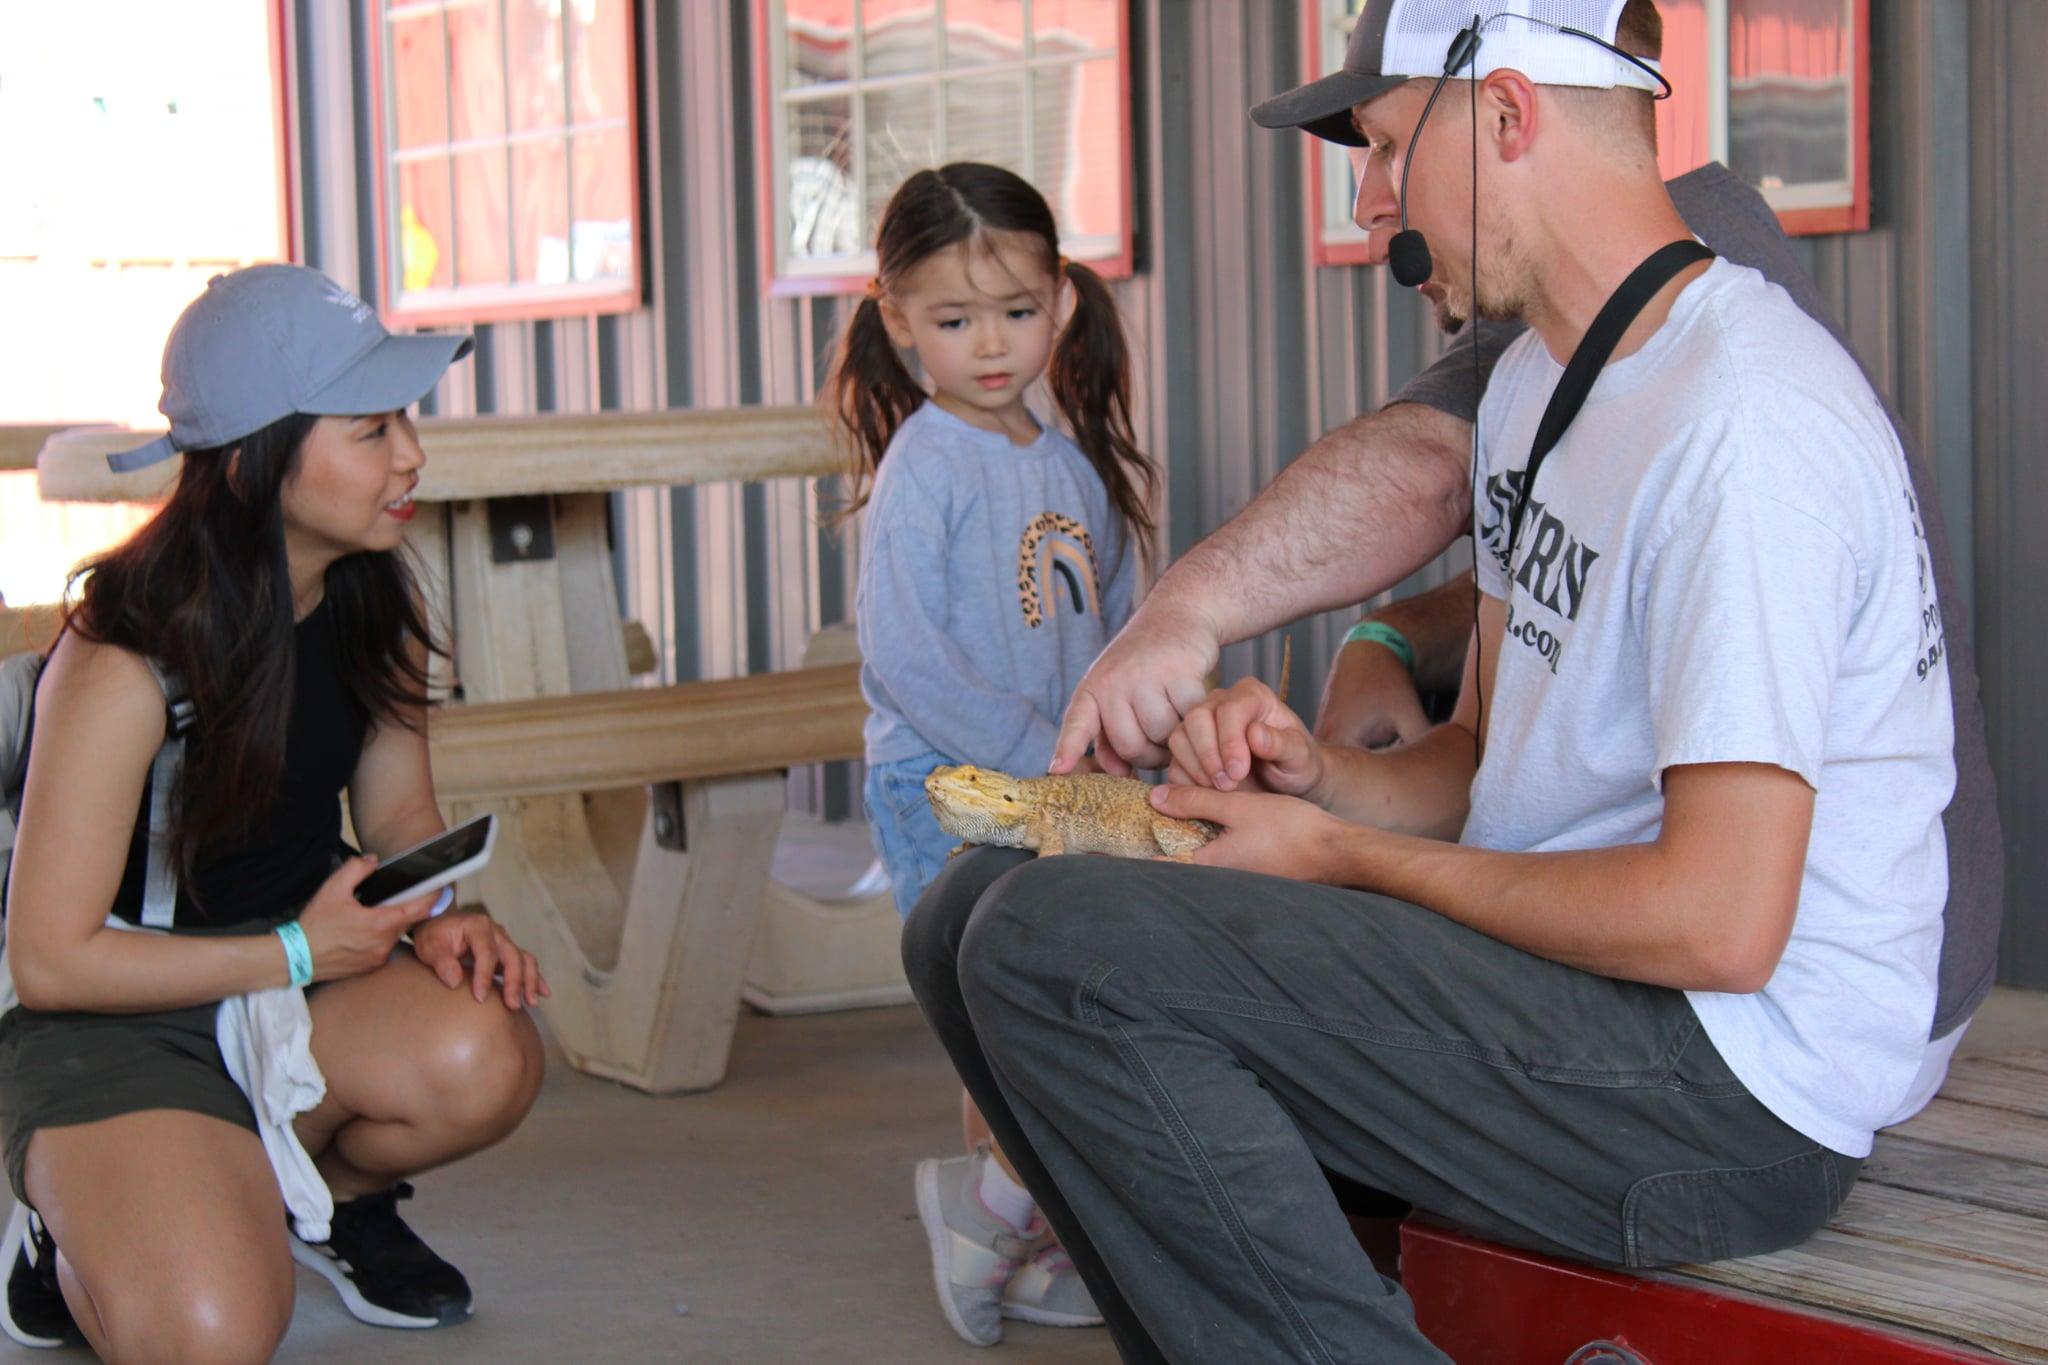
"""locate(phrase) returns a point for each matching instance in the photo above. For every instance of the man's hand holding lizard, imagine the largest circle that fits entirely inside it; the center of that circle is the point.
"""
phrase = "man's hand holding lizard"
(1280, 836)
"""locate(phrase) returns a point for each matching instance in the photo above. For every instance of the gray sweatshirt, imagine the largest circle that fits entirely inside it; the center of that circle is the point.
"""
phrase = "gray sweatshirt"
(991, 575)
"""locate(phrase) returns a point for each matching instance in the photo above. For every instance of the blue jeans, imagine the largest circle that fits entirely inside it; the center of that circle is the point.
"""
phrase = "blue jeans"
(908, 840)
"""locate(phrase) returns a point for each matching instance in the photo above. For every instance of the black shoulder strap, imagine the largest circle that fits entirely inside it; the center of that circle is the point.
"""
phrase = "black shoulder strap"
(1590, 358)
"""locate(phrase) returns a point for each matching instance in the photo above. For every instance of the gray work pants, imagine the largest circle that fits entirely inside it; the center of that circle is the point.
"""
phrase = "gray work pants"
(1172, 1056)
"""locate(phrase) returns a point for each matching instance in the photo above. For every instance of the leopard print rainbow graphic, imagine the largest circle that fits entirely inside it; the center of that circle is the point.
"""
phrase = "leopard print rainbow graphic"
(1055, 547)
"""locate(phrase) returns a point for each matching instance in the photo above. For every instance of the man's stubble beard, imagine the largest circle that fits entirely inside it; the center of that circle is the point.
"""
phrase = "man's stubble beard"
(1507, 280)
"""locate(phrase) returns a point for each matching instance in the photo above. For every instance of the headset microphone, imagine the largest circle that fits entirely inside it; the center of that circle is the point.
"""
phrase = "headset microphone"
(1408, 253)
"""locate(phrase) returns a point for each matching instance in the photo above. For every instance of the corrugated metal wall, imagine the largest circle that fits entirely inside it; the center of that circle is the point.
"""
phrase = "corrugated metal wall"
(1247, 350)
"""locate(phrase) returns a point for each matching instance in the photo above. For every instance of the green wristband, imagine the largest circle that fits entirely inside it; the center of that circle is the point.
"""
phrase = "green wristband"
(1380, 633)
(298, 954)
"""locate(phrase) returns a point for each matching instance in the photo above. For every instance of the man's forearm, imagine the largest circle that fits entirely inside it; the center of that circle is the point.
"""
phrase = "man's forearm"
(1620, 912)
(1423, 788)
(1360, 510)
(1438, 626)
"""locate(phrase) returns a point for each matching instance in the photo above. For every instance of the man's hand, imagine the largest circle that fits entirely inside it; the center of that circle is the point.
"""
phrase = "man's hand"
(1280, 836)
(469, 943)
(1135, 693)
(1244, 736)
(1369, 699)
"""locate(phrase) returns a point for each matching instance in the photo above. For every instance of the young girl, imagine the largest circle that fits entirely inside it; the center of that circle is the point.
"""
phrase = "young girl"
(997, 559)
(272, 588)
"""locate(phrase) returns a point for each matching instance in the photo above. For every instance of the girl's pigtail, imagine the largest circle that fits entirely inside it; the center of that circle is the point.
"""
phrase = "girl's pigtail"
(1091, 383)
(870, 394)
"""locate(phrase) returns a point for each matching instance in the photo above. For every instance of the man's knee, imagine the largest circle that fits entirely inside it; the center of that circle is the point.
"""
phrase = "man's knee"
(931, 936)
(1048, 923)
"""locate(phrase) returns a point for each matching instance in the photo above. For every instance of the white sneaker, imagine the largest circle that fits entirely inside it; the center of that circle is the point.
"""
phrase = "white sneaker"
(974, 1253)
(1047, 1290)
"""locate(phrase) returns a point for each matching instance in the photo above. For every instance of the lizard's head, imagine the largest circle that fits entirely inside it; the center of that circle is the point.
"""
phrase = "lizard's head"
(979, 805)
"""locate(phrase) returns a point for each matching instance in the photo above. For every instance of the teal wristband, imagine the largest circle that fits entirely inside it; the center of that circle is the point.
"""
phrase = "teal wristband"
(298, 954)
(1380, 633)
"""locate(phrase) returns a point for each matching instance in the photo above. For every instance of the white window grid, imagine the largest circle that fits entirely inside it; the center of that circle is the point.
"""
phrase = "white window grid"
(854, 90)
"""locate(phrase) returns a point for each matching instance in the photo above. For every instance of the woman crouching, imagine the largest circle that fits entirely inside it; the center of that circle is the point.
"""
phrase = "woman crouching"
(270, 597)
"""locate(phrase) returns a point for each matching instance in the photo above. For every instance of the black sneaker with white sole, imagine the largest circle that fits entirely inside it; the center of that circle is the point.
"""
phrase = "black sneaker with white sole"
(384, 1273)
(33, 1312)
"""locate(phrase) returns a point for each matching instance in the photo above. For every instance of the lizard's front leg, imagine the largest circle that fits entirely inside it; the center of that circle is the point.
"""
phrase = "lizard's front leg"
(1051, 842)
(1175, 842)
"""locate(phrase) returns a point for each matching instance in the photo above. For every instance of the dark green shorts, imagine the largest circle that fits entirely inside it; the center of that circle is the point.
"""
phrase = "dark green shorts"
(58, 1069)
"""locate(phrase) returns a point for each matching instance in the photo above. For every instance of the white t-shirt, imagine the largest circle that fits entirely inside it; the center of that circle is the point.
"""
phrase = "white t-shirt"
(1722, 562)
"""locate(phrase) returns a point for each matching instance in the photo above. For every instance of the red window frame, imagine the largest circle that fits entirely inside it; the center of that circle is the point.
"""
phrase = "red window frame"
(513, 301)
(1120, 264)
(1322, 250)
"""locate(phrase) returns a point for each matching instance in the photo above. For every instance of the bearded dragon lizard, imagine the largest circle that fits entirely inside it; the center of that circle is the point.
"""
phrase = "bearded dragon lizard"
(1067, 813)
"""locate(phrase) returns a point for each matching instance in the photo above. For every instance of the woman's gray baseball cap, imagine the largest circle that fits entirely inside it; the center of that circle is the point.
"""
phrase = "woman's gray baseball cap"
(270, 340)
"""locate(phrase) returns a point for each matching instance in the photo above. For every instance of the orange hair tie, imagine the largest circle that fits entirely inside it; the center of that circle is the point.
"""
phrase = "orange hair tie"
(875, 286)
(1064, 263)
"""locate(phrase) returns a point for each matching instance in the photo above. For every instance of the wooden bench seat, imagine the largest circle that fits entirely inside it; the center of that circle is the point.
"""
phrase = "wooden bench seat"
(1939, 1254)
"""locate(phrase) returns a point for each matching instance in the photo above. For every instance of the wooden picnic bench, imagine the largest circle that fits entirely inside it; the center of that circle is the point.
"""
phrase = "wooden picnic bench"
(637, 824)
(1939, 1255)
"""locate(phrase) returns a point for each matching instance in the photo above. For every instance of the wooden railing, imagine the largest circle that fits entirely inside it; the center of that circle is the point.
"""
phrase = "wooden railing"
(494, 457)
(594, 741)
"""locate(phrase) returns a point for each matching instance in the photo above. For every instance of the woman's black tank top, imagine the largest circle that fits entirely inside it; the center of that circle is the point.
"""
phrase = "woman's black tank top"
(286, 857)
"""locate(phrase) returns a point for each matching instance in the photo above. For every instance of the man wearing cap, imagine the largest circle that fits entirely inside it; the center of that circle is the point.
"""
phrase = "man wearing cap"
(1682, 959)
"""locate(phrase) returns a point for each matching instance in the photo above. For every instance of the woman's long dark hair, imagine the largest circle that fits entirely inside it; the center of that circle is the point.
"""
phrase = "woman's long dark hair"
(204, 589)
(872, 394)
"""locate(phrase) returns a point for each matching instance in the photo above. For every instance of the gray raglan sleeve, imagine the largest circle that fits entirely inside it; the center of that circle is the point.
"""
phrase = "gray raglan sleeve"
(1447, 385)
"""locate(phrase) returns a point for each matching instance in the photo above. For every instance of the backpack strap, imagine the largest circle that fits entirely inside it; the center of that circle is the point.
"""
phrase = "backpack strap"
(18, 676)
(160, 875)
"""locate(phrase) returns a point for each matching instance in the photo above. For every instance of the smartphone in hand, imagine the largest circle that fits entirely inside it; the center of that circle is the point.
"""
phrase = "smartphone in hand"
(431, 865)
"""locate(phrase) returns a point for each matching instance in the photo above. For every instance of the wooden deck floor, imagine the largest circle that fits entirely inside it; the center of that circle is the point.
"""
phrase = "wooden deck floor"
(1947, 1230)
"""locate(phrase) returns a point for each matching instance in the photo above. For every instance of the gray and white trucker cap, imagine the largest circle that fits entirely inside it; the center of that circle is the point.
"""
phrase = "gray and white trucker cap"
(1396, 41)
(267, 341)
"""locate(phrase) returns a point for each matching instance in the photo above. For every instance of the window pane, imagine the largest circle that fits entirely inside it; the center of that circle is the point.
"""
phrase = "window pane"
(601, 234)
(600, 36)
(477, 71)
(899, 37)
(1685, 121)
(424, 226)
(418, 81)
(824, 215)
(540, 211)
(1059, 27)
(985, 121)
(1790, 98)
(902, 136)
(982, 31)
(1078, 134)
(533, 52)
(817, 41)
(482, 248)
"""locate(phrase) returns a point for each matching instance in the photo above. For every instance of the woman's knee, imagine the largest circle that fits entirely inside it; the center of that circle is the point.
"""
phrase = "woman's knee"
(485, 1066)
(212, 1314)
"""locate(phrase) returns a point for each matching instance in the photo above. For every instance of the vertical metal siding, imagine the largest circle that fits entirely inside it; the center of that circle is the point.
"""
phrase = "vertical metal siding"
(2008, 104)
(1244, 349)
